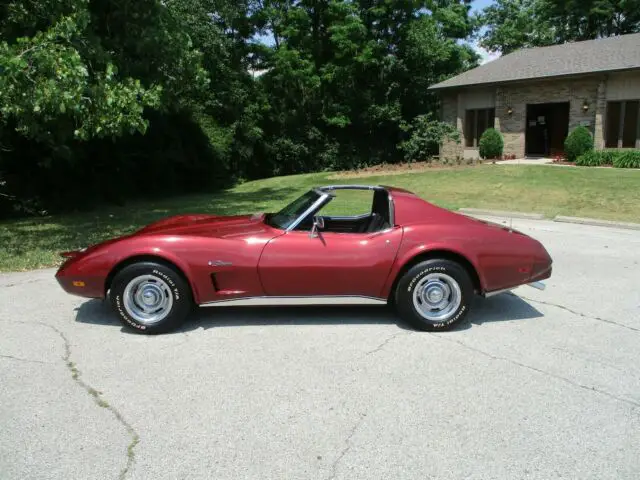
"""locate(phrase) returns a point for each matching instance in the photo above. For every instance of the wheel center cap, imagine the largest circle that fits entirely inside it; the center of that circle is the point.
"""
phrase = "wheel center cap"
(435, 295)
(149, 298)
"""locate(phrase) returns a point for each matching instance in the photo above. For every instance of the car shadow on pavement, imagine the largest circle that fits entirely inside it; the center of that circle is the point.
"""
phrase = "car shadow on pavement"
(505, 307)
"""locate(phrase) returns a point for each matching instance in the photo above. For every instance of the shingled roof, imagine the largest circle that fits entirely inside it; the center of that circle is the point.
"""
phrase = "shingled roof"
(602, 55)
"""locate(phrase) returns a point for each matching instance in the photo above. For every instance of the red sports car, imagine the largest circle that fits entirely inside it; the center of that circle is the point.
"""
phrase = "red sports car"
(400, 250)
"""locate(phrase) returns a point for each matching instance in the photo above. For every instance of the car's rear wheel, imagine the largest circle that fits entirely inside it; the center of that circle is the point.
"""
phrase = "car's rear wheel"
(150, 297)
(434, 295)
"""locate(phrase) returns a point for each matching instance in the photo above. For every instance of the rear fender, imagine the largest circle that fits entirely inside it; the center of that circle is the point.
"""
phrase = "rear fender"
(426, 251)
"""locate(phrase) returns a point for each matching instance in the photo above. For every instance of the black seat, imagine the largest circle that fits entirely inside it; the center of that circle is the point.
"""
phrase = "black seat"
(376, 223)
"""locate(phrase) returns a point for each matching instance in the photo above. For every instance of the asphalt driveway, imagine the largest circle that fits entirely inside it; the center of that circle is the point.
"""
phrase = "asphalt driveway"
(538, 385)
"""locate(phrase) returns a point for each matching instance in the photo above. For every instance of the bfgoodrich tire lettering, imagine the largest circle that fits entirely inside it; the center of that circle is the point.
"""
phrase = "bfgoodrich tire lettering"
(162, 288)
(434, 295)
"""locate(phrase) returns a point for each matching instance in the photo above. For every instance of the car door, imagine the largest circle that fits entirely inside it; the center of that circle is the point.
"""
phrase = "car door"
(300, 264)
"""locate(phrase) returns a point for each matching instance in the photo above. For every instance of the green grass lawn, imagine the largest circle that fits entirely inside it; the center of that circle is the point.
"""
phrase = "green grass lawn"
(611, 194)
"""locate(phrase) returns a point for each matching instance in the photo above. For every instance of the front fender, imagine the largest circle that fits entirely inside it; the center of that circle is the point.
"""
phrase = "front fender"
(149, 254)
(87, 273)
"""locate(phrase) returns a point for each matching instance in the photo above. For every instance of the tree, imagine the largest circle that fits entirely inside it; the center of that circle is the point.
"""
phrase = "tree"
(81, 82)
(344, 77)
(513, 24)
(80, 69)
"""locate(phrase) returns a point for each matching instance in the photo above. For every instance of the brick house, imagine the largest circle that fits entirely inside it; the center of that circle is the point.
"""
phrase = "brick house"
(536, 96)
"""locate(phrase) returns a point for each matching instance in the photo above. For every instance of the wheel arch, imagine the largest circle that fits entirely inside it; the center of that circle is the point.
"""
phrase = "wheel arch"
(122, 264)
(439, 254)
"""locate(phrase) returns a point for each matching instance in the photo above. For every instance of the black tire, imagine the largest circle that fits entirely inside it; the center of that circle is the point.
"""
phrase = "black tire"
(449, 271)
(169, 282)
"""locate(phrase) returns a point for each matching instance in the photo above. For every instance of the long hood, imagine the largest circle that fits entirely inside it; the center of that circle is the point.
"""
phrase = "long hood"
(207, 225)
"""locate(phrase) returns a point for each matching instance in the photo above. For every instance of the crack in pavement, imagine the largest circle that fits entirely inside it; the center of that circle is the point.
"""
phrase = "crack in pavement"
(26, 360)
(347, 447)
(387, 341)
(579, 314)
(538, 370)
(97, 396)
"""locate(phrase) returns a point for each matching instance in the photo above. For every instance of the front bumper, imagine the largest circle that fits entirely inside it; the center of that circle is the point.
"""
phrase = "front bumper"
(74, 281)
(86, 287)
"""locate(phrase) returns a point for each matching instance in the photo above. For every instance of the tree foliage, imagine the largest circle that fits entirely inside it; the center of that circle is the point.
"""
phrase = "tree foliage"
(105, 100)
(88, 69)
(344, 77)
(514, 24)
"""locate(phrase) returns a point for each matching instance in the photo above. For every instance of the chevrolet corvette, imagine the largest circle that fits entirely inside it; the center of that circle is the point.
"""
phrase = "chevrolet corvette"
(426, 261)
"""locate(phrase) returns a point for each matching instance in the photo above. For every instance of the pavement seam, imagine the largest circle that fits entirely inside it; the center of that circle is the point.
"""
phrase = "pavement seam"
(26, 360)
(544, 372)
(579, 314)
(97, 396)
(347, 447)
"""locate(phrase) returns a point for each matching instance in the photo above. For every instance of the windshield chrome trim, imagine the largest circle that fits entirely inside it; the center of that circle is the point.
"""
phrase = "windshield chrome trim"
(317, 204)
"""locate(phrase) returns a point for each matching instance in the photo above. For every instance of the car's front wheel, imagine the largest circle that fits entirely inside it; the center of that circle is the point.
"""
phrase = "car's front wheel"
(150, 297)
(434, 295)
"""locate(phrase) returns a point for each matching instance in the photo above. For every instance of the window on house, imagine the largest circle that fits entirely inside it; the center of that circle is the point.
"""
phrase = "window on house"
(475, 124)
(623, 126)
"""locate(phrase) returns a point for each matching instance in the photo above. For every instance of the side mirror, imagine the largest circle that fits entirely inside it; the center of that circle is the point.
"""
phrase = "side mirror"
(318, 224)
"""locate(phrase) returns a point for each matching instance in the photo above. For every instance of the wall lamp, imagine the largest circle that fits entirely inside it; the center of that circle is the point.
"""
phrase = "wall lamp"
(585, 106)
(509, 110)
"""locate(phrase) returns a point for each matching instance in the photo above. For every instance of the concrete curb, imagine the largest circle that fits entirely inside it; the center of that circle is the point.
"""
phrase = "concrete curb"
(539, 216)
(500, 213)
(597, 223)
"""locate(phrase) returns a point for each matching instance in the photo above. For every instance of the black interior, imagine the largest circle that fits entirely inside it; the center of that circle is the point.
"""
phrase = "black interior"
(379, 218)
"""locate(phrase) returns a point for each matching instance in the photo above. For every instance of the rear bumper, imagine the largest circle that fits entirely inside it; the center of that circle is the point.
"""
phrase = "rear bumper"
(541, 274)
(535, 282)
(538, 285)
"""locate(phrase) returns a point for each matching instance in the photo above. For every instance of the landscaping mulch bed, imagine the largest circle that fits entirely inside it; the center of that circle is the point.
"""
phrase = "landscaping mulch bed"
(398, 169)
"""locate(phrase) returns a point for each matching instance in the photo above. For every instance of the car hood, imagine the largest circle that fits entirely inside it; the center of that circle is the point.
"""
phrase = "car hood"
(209, 225)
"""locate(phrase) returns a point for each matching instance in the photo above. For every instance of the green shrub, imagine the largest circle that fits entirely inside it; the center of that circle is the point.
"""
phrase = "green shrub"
(596, 158)
(590, 159)
(578, 143)
(617, 158)
(426, 133)
(491, 144)
(627, 159)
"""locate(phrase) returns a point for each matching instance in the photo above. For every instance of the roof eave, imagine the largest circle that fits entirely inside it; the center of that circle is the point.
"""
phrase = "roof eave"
(440, 87)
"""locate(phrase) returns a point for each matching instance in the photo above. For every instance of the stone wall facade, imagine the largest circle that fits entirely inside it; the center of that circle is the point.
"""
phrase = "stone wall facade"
(451, 149)
(511, 110)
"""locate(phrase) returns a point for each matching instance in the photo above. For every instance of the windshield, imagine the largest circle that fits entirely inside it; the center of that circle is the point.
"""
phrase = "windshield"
(285, 217)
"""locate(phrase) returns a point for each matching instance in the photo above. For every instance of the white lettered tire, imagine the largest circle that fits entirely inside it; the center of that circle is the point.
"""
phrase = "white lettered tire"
(434, 295)
(150, 297)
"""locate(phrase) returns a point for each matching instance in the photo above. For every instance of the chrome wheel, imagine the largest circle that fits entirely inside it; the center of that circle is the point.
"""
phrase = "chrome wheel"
(436, 297)
(148, 299)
